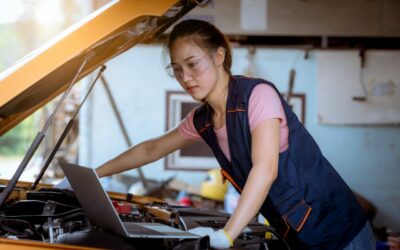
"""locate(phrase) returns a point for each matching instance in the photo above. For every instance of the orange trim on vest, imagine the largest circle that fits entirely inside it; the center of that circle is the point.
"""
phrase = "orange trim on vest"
(287, 229)
(294, 208)
(226, 176)
(205, 127)
(298, 228)
(236, 110)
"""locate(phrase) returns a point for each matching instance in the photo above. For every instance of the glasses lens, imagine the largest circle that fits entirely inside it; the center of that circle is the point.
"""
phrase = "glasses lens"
(194, 67)
(197, 67)
(170, 71)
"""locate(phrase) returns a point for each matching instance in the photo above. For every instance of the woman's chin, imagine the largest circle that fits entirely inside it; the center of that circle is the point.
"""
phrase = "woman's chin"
(197, 97)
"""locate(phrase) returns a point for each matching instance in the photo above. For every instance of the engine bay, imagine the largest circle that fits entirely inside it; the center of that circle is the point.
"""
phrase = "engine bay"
(54, 215)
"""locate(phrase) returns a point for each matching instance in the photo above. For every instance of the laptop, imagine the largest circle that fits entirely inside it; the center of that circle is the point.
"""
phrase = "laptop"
(100, 211)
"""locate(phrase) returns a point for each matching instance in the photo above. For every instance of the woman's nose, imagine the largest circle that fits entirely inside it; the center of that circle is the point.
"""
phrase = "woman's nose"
(186, 74)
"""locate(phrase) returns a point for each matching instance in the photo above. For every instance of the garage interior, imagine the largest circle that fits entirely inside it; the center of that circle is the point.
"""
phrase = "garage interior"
(338, 63)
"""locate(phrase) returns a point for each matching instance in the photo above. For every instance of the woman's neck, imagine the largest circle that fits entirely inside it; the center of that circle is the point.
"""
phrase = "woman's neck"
(219, 95)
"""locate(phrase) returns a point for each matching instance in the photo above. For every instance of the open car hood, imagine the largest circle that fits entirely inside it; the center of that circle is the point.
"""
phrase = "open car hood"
(46, 72)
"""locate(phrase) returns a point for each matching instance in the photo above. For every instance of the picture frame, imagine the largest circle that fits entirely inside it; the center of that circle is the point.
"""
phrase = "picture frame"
(196, 157)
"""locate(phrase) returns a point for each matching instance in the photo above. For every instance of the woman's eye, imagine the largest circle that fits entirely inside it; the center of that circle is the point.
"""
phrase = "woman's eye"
(176, 69)
(193, 64)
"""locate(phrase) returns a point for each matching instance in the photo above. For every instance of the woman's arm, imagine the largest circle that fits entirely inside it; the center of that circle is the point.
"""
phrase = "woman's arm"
(265, 156)
(144, 153)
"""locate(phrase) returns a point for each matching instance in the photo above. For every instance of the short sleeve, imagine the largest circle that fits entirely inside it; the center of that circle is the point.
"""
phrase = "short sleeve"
(265, 104)
(187, 130)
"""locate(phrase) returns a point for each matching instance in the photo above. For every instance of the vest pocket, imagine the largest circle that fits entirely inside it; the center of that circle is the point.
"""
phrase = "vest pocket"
(297, 215)
(293, 209)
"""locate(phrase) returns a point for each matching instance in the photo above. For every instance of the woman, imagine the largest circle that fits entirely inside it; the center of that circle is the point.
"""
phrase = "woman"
(264, 151)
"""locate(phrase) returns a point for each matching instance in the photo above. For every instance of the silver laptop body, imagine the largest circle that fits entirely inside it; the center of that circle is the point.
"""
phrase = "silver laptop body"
(100, 211)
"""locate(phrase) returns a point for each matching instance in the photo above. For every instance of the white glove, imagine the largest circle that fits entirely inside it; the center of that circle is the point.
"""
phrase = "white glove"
(63, 184)
(218, 239)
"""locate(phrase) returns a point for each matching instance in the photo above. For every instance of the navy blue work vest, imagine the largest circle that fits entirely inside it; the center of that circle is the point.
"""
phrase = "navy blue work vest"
(308, 203)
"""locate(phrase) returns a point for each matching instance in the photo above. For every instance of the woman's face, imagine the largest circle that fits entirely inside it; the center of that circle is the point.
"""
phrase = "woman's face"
(193, 67)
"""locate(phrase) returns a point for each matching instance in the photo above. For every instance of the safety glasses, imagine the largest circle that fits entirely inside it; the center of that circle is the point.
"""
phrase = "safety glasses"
(193, 66)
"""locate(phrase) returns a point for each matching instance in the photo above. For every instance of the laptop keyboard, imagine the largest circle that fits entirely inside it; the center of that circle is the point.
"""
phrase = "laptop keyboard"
(133, 228)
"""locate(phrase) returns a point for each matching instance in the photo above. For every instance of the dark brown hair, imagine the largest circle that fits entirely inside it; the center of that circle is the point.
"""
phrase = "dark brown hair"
(204, 35)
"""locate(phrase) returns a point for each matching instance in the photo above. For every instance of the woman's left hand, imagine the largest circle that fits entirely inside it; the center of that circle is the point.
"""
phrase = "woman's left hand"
(218, 239)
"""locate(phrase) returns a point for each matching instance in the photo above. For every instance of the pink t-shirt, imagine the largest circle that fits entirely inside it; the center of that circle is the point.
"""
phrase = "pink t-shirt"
(264, 104)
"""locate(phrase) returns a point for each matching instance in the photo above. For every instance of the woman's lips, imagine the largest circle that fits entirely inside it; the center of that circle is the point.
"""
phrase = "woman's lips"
(191, 89)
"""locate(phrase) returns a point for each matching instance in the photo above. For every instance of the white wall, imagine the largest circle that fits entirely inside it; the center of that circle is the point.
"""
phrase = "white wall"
(367, 157)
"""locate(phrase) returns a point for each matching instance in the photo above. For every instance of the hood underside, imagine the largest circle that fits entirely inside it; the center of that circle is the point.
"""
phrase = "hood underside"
(45, 73)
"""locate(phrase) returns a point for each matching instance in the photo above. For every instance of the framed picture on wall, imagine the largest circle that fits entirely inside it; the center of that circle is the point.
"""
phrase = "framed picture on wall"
(298, 104)
(197, 156)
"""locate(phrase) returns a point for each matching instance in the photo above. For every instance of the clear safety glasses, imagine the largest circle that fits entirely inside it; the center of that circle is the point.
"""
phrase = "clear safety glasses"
(194, 67)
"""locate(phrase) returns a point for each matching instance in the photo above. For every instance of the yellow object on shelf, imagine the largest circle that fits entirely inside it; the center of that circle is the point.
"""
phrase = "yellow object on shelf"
(212, 187)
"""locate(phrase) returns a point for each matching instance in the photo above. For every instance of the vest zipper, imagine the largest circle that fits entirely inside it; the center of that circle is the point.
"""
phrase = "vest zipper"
(226, 176)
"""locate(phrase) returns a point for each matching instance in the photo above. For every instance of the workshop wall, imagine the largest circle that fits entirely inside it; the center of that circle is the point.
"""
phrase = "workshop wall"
(367, 157)
(290, 17)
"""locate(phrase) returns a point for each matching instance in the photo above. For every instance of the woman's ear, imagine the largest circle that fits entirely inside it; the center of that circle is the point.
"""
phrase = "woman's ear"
(219, 56)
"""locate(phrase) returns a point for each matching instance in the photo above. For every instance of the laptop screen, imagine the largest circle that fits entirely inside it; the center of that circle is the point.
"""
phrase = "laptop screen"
(100, 211)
